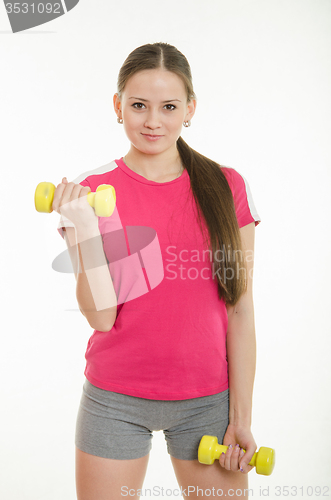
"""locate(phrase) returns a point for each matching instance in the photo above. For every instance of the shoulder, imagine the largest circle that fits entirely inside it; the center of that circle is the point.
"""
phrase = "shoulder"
(234, 178)
(101, 175)
(242, 196)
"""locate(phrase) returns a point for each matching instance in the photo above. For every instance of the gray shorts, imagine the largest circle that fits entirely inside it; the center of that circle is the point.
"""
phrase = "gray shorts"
(113, 425)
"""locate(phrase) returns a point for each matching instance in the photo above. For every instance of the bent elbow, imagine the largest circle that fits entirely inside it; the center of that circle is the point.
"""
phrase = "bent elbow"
(104, 324)
(104, 328)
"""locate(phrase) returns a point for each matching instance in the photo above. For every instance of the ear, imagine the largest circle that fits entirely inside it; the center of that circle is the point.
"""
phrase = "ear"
(191, 109)
(117, 102)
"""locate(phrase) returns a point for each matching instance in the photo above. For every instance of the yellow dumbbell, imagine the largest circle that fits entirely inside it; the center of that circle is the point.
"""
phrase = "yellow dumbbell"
(209, 450)
(103, 200)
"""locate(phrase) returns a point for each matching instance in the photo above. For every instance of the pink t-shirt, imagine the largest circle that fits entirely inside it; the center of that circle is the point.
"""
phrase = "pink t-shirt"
(169, 338)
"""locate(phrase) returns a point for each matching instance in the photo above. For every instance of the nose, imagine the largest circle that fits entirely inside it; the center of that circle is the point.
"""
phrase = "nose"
(153, 120)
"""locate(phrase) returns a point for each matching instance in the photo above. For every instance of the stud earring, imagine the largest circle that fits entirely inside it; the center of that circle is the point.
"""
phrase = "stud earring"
(120, 120)
(187, 124)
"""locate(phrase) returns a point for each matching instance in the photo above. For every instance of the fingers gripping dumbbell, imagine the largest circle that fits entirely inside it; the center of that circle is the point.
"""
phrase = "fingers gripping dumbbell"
(103, 200)
(209, 450)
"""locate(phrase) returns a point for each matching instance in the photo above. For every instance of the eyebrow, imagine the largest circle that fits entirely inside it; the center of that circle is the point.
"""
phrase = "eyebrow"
(145, 100)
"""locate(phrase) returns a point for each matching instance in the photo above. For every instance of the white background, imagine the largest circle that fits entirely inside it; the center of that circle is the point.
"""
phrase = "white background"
(261, 71)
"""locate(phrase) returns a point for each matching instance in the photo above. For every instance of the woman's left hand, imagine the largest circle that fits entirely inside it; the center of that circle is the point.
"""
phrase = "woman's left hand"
(235, 459)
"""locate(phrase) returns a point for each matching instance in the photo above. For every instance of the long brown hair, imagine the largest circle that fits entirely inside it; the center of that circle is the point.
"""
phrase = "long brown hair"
(210, 188)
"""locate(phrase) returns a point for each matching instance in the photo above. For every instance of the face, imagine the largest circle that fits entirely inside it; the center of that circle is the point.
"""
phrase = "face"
(154, 103)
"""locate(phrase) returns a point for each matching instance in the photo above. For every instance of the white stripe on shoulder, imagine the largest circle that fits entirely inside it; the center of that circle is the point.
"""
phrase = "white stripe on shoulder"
(251, 205)
(97, 171)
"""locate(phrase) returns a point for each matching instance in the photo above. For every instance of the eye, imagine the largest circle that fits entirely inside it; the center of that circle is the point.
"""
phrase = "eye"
(171, 106)
(138, 103)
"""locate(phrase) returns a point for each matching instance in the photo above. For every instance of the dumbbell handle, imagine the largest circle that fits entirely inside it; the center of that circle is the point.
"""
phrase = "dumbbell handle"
(221, 448)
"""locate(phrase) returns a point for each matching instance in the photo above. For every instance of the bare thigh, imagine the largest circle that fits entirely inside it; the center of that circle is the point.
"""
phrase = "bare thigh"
(108, 479)
(192, 475)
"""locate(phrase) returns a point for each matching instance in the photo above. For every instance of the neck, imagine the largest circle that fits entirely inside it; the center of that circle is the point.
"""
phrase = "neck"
(157, 170)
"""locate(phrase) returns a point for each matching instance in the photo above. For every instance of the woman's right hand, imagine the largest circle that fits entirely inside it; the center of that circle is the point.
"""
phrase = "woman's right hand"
(70, 200)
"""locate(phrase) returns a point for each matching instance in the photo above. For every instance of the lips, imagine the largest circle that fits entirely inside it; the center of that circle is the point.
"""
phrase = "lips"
(152, 138)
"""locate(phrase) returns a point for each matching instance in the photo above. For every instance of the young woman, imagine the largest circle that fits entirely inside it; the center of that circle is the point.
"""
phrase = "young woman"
(166, 284)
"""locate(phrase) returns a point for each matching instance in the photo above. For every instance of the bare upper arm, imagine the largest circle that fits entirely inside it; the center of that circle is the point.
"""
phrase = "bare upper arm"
(245, 302)
(69, 235)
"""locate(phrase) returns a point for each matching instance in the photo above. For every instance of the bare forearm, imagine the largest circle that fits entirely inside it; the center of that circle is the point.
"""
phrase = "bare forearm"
(94, 290)
(241, 353)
